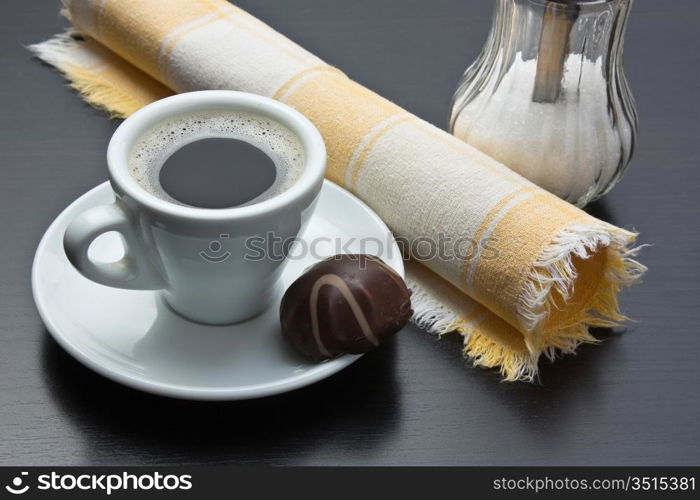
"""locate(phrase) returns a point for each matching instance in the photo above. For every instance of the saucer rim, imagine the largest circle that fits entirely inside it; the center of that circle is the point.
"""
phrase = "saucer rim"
(179, 391)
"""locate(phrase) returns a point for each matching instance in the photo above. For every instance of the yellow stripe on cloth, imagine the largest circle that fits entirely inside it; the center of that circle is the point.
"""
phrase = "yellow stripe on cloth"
(517, 241)
(467, 273)
(356, 110)
(148, 18)
(290, 85)
(352, 173)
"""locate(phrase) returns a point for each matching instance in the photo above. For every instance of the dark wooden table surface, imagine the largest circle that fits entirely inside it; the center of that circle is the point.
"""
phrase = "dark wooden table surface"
(632, 400)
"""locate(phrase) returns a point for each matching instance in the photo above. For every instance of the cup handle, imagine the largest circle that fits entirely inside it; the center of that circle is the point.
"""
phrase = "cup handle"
(133, 271)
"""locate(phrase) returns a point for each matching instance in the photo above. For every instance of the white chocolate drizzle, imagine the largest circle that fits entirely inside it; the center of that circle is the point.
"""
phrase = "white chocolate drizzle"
(340, 285)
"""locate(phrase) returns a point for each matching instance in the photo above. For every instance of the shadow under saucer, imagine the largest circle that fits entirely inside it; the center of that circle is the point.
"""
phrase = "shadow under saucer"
(122, 425)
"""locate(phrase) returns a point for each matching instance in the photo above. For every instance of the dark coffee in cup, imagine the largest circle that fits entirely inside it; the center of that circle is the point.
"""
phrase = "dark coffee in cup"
(217, 159)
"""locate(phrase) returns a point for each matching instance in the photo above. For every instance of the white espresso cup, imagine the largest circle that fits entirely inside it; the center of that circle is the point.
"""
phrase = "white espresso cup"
(198, 257)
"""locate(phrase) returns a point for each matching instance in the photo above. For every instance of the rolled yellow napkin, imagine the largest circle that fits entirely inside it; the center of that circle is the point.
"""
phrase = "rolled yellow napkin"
(518, 272)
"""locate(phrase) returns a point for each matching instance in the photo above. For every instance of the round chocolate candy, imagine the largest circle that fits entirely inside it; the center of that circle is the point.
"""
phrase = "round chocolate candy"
(344, 304)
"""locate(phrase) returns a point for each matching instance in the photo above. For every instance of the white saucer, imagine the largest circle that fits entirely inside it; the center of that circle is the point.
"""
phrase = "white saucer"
(132, 338)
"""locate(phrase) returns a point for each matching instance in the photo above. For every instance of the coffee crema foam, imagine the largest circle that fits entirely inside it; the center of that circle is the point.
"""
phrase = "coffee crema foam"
(150, 153)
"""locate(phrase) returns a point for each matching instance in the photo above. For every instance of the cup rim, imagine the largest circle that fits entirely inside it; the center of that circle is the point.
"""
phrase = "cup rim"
(142, 120)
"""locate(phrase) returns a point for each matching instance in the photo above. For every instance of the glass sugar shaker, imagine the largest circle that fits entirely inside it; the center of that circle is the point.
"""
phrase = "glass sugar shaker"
(548, 97)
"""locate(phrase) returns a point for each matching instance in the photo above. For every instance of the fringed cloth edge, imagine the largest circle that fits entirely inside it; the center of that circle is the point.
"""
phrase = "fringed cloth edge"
(551, 284)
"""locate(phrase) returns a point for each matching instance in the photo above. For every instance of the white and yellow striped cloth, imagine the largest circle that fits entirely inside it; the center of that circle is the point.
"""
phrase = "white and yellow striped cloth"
(542, 272)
